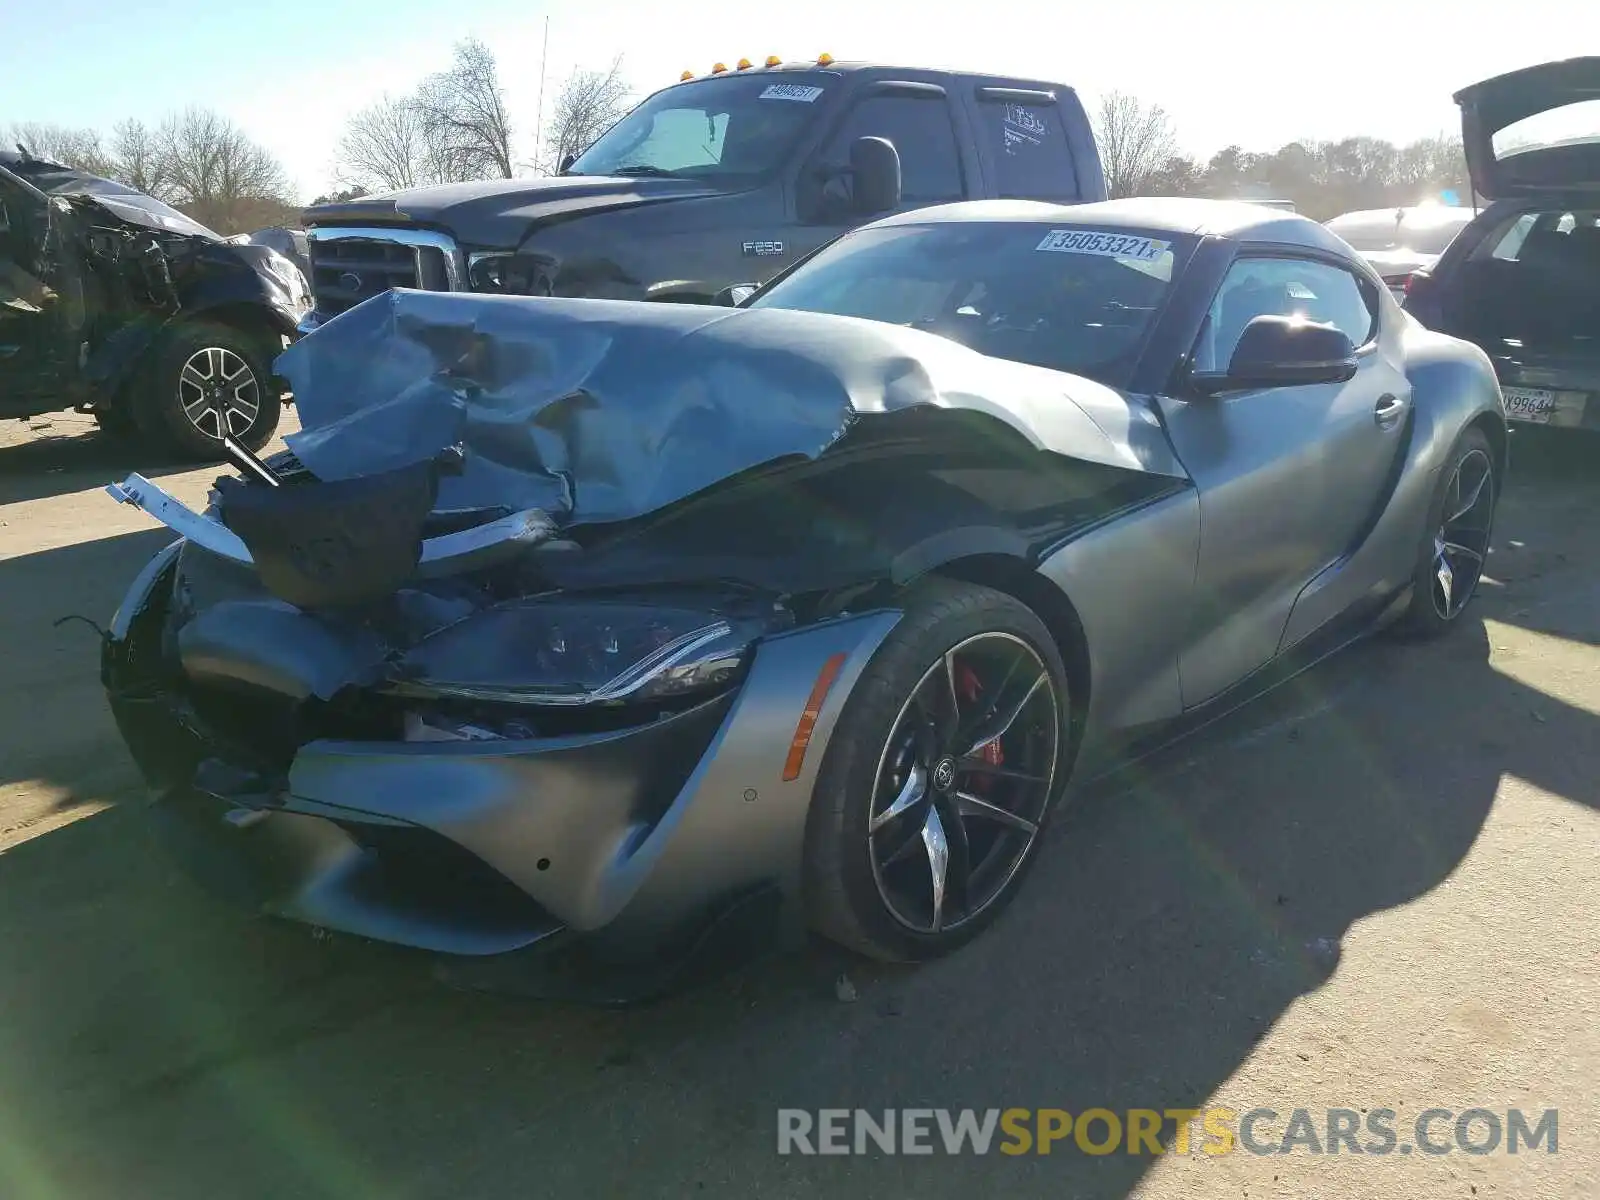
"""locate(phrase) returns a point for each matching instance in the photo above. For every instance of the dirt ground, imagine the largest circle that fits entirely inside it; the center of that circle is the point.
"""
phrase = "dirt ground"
(1375, 889)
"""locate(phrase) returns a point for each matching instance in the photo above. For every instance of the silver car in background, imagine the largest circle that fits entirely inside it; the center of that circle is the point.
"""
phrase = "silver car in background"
(1399, 242)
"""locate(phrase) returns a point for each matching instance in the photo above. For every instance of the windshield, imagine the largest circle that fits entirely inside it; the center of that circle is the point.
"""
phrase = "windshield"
(740, 126)
(1417, 230)
(1063, 297)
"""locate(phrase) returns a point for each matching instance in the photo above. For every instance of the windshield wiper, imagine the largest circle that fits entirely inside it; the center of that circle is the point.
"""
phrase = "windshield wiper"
(647, 171)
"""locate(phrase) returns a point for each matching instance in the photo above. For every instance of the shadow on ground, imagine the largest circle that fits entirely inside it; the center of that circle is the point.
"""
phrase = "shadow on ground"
(153, 1044)
(51, 464)
(57, 731)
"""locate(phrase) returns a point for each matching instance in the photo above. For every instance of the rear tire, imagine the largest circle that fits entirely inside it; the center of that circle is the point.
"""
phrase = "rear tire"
(202, 376)
(923, 821)
(1454, 547)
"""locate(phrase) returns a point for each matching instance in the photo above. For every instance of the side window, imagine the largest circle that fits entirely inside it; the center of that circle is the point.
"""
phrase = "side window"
(930, 164)
(1028, 145)
(1286, 287)
(1510, 244)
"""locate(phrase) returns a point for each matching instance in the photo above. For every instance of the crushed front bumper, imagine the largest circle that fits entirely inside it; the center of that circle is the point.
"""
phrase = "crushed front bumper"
(635, 840)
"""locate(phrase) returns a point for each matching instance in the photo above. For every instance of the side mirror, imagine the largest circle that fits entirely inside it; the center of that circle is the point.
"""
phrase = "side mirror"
(1279, 351)
(566, 163)
(734, 295)
(875, 175)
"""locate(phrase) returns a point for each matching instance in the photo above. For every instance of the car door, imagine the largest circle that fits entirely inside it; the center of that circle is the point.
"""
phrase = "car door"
(1288, 476)
(918, 120)
(32, 316)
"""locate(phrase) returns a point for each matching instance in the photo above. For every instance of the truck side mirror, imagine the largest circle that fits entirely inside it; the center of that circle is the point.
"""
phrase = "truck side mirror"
(875, 175)
(734, 295)
(566, 163)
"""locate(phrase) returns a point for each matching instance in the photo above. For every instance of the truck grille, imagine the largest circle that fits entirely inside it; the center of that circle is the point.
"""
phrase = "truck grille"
(347, 270)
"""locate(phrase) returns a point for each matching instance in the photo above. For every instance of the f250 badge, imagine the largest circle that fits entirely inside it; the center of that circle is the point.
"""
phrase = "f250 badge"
(762, 249)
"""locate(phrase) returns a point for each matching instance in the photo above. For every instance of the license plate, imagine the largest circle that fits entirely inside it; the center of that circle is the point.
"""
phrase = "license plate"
(1533, 405)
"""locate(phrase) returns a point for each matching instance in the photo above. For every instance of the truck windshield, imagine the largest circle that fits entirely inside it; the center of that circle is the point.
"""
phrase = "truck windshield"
(739, 126)
(1066, 298)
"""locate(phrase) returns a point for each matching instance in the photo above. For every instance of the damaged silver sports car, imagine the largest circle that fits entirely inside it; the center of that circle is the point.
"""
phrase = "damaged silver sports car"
(618, 626)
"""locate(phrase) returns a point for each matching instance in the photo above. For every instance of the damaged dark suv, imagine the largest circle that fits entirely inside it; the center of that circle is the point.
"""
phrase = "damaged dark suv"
(116, 304)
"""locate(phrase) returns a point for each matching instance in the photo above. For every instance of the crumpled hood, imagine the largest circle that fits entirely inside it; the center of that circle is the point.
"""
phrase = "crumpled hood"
(118, 200)
(501, 212)
(605, 410)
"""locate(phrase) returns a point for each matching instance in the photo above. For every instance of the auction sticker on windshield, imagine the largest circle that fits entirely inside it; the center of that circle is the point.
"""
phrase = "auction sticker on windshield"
(1108, 245)
(791, 91)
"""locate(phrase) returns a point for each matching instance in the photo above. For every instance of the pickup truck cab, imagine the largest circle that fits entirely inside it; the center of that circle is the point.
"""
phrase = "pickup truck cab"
(715, 181)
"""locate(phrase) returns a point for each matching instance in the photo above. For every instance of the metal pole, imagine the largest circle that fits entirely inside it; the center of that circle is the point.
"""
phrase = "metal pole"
(538, 120)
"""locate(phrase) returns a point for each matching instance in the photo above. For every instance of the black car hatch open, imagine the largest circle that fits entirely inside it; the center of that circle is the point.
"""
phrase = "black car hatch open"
(1534, 131)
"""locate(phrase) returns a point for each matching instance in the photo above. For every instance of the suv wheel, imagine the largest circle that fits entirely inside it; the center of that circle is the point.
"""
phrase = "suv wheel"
(207, 381)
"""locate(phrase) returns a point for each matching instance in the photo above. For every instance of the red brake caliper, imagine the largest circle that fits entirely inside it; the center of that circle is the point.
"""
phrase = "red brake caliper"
(968, 684)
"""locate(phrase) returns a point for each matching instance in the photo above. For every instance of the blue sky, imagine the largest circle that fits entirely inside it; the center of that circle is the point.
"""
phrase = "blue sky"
(1251, 72)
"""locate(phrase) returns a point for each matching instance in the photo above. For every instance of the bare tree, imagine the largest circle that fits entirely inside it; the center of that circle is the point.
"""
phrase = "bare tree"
(1435, 164)
(589, 103)
(80, 149)
(216, 174)
(1135, 142)
(136, 158)
(386, 145)
(1180, 175)
(463, 116)
(341, 195)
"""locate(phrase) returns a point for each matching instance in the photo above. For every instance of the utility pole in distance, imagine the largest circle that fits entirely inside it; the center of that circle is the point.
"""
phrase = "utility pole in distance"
(538, 119)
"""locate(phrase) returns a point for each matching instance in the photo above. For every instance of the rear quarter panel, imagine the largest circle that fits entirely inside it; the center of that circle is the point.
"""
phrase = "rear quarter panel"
(1453, 386)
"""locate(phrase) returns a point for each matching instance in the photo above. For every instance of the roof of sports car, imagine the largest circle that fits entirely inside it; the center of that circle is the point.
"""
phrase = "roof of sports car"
(1233, 219)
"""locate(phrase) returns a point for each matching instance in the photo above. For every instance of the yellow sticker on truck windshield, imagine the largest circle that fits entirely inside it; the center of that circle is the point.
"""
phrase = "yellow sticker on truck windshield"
(1107, 245)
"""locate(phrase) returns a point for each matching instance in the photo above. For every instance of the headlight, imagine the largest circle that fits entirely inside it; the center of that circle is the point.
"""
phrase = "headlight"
(508, 273)
(590, 651)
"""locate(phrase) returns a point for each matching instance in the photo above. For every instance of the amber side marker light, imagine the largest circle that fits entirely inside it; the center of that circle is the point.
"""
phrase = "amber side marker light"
(773, 60)
(685, 75)
(824, 59)
(808, 717)
(744, 64)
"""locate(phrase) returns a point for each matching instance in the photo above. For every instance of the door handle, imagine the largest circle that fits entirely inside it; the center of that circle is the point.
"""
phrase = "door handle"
(1387, 413)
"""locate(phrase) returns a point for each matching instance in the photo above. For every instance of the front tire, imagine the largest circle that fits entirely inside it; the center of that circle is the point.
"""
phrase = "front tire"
(1455, 544)
(207, 379)
(935, 789)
